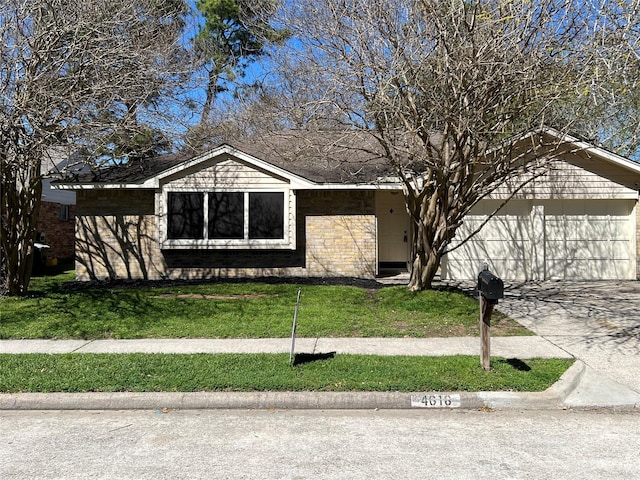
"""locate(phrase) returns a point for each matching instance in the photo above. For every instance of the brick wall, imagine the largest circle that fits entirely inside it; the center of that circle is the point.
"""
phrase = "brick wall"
(349, 249)
(638, 239)
(117, 237)
(58, 232)
(340, 233)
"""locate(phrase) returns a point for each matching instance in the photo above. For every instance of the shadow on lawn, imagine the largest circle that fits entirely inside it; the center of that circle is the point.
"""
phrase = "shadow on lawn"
(517, 364)
(302, 358)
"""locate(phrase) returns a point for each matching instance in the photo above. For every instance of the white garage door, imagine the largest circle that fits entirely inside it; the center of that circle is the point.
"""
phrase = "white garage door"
(589, 239)
(554, 239)
(504, 244)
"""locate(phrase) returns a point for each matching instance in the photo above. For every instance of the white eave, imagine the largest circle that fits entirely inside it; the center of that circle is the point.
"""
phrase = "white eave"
(307, 185)
(95, 186)
(589, 148)
(378, 185)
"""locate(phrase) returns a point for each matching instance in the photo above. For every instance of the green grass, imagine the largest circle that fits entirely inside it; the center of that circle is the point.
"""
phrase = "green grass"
(269, 372)
(239, 310)
(252, 310)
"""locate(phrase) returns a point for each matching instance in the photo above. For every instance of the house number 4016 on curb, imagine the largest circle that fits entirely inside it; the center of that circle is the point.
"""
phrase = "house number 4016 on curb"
(436, 400)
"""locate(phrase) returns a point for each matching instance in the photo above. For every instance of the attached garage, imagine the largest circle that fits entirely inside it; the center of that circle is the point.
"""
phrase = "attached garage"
(552, 239)
(579, 222)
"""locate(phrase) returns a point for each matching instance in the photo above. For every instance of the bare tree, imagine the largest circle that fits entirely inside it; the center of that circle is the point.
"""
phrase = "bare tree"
(451, 90)
(611, 92)
(78, 73)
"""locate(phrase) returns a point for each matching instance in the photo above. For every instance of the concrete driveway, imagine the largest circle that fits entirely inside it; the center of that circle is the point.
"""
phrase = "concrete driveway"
(597, 322)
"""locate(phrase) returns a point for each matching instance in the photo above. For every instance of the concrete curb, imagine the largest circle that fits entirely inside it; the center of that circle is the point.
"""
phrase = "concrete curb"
(594, 390)
(569, 381)
(552, 398)
(549, 399)
(263, 400)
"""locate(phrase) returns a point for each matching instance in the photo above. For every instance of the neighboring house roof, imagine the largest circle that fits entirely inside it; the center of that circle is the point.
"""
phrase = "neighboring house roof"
(58, 162)
(308, 159)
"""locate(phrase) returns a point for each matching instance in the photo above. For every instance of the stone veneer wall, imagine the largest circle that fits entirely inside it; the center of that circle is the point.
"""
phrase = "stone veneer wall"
(117, 237)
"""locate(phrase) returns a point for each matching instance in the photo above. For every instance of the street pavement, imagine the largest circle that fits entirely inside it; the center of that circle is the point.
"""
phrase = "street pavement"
(320, 444)
(598, 323)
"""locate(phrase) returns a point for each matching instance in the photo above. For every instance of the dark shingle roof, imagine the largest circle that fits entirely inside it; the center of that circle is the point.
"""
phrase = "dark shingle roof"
(136, 171)
(321, 157)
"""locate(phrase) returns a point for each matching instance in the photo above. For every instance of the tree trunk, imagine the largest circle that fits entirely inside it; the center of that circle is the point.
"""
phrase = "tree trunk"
(434, 221)
(423, 271)
(212, 91)
(426, 259)
(20, 213)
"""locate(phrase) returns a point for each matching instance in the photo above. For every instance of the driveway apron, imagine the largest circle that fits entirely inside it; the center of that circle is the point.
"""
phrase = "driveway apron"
(597, 322)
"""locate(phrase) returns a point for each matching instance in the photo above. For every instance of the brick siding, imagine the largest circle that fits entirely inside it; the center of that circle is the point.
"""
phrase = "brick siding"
(117, 237)
(638, 239)
(58, 232)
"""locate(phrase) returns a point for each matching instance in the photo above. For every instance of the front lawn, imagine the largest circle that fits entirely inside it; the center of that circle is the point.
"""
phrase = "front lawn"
(239, 310)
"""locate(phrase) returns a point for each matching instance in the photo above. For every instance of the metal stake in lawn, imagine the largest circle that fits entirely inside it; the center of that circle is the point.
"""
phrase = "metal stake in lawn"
(490, 289)
(293, 330)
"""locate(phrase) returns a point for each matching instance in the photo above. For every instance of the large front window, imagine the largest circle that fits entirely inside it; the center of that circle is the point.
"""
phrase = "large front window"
(186, 215)
(226, 215)
(230, 218)
(266, 215)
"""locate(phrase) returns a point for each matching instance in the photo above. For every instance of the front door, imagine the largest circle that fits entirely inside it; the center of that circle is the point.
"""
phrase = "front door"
(393, 230)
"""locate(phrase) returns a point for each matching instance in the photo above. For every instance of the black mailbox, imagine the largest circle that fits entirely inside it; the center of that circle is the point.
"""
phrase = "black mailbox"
(490, 286)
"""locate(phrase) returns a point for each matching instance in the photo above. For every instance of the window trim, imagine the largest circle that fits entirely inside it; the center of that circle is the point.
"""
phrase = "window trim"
(287, 242)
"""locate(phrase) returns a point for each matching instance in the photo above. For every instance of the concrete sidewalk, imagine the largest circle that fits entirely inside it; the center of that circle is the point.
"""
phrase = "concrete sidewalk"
(580, 386)
(508, 347)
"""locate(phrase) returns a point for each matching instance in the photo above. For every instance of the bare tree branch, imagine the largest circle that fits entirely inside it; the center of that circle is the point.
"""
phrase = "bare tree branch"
(446, 87)
(97, 74)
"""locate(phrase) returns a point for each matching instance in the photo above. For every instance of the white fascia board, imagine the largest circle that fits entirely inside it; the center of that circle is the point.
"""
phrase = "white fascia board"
(296, 181)
(627, 195)
(355, 186)
(593, 149)
(64, 186)
(294, 186)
